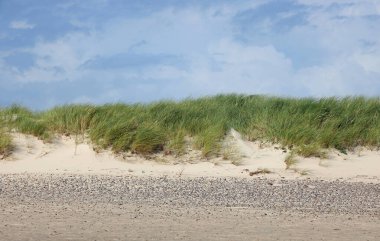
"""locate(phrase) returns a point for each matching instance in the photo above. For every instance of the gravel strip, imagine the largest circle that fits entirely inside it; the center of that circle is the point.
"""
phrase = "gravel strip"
(280, 195)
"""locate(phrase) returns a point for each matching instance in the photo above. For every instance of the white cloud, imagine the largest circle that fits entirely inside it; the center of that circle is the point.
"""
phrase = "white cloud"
(21, 25)
(369, 62)
(232, 67)
(341, 78)
(167, 32)
(214, 60)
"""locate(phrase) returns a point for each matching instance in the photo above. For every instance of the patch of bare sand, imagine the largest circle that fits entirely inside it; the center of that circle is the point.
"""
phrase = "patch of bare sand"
(76, 221)
(241, 158)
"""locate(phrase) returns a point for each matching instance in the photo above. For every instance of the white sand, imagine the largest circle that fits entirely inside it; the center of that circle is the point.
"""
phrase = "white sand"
(65, 156)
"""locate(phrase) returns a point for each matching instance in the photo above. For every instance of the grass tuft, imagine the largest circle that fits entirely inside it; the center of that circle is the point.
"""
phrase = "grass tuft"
(290, 160)
(5, 139)
(177, 143)
(5, 145)
(311, 151)
(149, 140)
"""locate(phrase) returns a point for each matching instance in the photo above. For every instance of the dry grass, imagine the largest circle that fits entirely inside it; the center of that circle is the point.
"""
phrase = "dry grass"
(290, 160)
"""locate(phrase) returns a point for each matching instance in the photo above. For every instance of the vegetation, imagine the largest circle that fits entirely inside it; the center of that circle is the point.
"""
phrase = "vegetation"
(260, 171)
(290, 160)
(5, 140)
(5, 145)
(306, 126)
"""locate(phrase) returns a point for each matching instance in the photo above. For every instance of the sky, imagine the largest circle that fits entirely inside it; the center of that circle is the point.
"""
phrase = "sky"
(55, 52)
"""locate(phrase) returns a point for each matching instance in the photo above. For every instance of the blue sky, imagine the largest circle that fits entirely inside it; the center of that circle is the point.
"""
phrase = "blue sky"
(100, 51)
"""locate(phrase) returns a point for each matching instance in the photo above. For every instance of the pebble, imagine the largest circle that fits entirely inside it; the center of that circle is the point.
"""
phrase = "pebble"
(281, 195)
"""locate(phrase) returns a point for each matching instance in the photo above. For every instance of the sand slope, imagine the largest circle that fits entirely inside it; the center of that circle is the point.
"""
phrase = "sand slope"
(66, 155)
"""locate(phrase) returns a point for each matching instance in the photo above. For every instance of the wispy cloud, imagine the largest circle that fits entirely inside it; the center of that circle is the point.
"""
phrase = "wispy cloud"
(21, 25)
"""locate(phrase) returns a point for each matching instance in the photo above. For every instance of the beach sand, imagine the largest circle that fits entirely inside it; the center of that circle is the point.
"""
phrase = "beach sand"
(65, 190)
(140, 222)
(66, 155)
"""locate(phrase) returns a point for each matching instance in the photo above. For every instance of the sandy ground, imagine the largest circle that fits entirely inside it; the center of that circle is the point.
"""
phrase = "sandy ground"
(50, 221)
(65, 190)
(66, 155)
(100, 207)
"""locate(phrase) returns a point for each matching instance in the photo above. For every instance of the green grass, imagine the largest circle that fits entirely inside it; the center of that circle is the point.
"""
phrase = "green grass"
(311, 150)
(177, 143)
(5, 138)
(306, 125)
(5, 145)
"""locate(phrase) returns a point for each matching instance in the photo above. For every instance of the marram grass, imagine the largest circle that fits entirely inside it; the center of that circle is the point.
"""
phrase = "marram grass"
(5, 145)
(305, 125)
(5, 139)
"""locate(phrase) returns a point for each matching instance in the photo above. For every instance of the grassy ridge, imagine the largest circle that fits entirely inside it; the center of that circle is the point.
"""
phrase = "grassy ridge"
(307, 125)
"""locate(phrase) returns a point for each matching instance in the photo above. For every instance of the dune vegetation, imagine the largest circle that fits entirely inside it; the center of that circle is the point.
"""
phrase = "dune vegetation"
(305, 125)
(5, 140)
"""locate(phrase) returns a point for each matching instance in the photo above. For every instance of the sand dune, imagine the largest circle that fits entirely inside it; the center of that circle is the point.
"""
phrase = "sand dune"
(67, 155)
